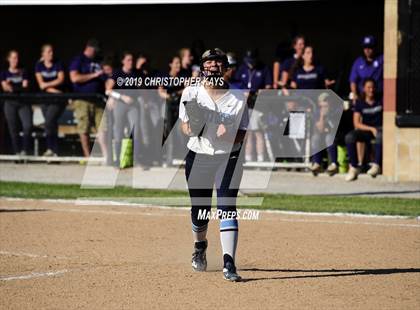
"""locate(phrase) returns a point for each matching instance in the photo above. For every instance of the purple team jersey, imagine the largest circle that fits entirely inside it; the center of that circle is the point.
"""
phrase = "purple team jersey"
(287, 64)
(14, 78)
(371, 113)
(48, 74)
(313, 79)
(363, 70)
(85, 65)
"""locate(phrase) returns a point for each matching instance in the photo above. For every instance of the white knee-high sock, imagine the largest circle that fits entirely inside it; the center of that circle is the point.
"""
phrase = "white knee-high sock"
(229, 236)
(199, 233)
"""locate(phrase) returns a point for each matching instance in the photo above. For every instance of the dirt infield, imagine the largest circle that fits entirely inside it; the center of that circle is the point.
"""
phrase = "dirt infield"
(67, 256)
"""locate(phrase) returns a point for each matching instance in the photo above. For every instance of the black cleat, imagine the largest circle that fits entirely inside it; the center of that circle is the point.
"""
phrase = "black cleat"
(199, 261)
(229, 273)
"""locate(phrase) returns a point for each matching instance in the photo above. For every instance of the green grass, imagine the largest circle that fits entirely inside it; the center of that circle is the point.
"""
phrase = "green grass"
(346, 204)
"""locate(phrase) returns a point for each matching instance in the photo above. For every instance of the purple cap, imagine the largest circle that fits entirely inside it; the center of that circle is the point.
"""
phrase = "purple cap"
(369, 41)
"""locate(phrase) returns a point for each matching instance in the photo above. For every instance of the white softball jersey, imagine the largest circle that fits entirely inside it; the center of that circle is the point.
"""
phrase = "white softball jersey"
(231, 105)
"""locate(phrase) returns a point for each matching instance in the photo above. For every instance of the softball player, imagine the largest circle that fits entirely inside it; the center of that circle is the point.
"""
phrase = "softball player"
(18, 115)
(215, 119)
(124, 107)
(49, 74)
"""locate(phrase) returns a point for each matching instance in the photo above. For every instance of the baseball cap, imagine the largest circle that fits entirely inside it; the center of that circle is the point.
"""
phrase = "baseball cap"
(369, 41)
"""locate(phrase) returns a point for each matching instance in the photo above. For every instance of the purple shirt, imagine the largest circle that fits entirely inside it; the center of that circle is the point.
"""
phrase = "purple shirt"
(253, 79)
(51, 73)
(313, 79)
(85, 65)
(371, 113)
(287, 64)
(362, 70)
(16, 79)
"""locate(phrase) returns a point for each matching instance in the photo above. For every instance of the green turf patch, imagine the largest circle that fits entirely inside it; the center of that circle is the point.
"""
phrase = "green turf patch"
(345, 204)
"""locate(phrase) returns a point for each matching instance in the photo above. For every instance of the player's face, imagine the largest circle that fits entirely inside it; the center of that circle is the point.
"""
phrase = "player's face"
(308, 55)
(369, 89)
(323, 106)
(13, 59)
(107, 70)
(175, 65)
(127, 62)
(90, 51)
(214, 67)
(299, 46)
(48, 53)
(368, 51)
(291, 105)
(187, 58)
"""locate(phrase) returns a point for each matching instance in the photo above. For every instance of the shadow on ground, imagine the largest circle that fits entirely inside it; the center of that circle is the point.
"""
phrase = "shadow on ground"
(326, 273)
(22, 210)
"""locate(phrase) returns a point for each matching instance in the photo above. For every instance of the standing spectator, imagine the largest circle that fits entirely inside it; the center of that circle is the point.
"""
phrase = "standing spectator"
(186, 61)
(286, 73)
(49, 74)
(253, 76)
(124, 107)
(308, 74)
(367, 120)
(15, 80)
(87, 76)
(324, 136)
(367, 66)
(172, 95)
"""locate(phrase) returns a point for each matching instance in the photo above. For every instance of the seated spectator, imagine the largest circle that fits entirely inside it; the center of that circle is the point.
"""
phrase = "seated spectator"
(49, 74)
(307, 74)
(18, 115)
(124, 107)
(253, 75)
(286, 73)
(87, 76)
(367, 120)
(323, 136)
(367, 66)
